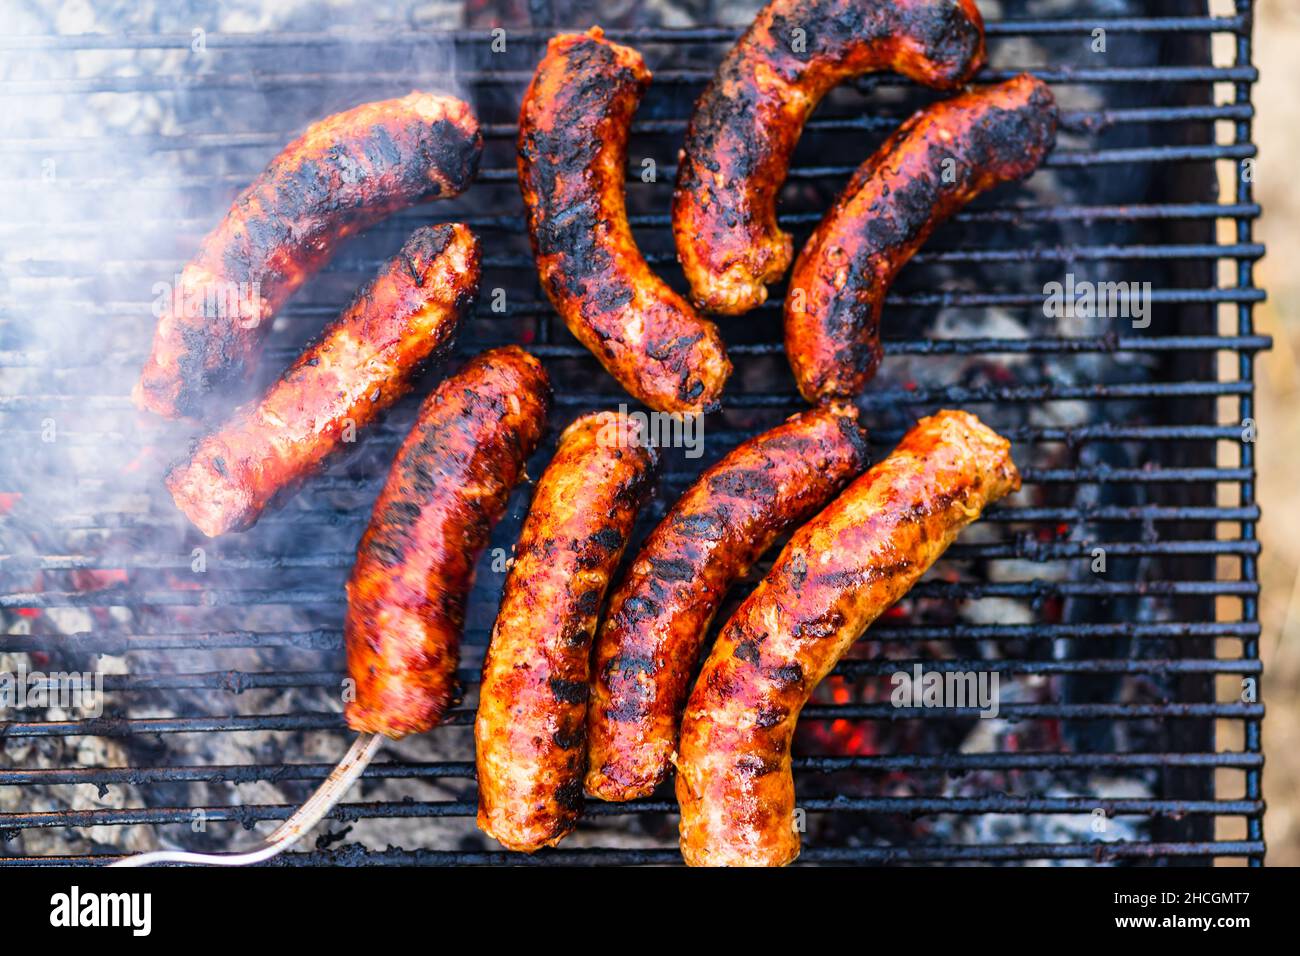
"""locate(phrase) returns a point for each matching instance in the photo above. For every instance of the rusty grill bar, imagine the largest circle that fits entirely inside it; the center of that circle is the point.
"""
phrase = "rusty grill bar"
(1140, 469)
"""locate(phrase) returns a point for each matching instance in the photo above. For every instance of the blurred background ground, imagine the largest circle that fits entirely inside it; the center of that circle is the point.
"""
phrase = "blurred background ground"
(1277, 188)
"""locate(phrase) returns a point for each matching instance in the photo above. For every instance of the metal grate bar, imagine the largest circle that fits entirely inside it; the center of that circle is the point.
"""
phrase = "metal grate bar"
(947, 300)
(249, 814)
(262, 82)
(883, 438)
(109, 642)
(967, 590)
(970, 346)
(884, 121)
(1095, 851)
(401, 222)
(1081, 514)
(880, 398)
(891, 763)
(234, 723)
(296, 40)
(237, 682)
(49, 268)
(1024, 548)
(1059, 159)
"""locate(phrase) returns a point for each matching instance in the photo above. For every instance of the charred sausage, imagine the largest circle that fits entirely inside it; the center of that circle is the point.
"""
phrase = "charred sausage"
(447, 487)
(748, 120)
(344, 174)
(660, 613)
(532, 711)
(939, 160)
(361, 365)
(573, 132)
(838, 574)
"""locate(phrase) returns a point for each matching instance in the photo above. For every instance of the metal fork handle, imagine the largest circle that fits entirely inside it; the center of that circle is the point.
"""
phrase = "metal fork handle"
(289, 832)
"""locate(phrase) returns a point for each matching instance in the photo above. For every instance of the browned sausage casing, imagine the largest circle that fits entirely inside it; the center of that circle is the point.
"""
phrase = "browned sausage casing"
(748, 120)
(573, 132)
(660, 613)
(937, 162)
(447, 487)
(838, 574)
(532, 710)
(343, 175)
(363, 363)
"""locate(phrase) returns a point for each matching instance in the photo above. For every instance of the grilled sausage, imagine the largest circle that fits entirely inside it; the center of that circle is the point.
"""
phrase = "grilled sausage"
(836, 576)
(532, 709)
(748, 120)
(415, 564)
(573, 132)
(344, 174)
(660, 613)
(361, 365)
(939, 160)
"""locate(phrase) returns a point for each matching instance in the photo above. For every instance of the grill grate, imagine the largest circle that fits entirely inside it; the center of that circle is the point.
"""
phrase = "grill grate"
(1122, 691)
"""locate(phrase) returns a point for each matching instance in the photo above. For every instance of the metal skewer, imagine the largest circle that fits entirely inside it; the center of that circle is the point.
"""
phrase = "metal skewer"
(288, 833)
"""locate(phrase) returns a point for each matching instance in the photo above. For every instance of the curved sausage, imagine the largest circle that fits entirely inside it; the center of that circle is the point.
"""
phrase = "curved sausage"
(937, 162)
(363, 363)
(343, 175)
(838, 574)
(748, 120)
(447, 487)
(573, 132)
(532, 711)
(660, 613)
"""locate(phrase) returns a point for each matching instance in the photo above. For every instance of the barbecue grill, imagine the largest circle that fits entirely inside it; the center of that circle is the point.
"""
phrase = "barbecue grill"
(1115, 596)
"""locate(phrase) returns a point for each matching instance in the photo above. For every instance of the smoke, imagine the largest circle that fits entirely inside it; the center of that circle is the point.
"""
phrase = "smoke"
(116, 158)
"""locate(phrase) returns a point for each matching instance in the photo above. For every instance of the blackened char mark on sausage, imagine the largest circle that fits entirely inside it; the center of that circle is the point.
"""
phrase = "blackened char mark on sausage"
(660, 615)
(344, 174)
(450, 481)
(573, 132)
(749, 119)
(939, 160)
(564, 154)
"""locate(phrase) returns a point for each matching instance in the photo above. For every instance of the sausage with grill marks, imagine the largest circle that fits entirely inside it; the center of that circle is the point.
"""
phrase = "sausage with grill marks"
(363, 363)
(343, 175)
(838, 573)
(937, 162)
(415, 564)
(532, 711)
(660, 613)
(749, 119)
(573, 131)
